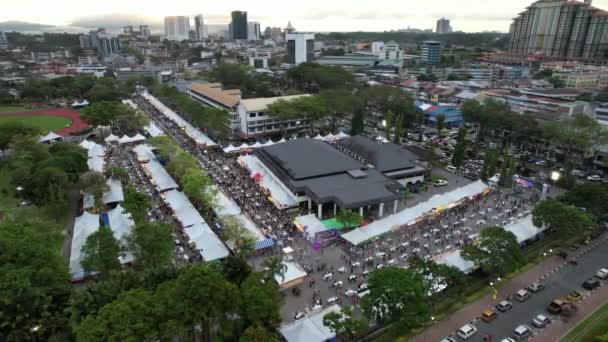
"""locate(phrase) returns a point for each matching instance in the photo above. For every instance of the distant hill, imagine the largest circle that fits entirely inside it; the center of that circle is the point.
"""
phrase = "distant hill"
(22, 26)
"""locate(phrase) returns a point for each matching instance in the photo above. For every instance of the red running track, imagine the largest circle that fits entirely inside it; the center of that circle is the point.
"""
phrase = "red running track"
(76, 126)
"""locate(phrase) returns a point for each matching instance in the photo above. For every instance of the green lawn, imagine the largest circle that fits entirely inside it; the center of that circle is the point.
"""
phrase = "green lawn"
(10, 109)
(596, 324)
(45, 122)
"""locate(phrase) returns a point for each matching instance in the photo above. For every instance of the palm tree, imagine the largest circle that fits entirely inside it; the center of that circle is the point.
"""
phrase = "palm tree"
(276, 267)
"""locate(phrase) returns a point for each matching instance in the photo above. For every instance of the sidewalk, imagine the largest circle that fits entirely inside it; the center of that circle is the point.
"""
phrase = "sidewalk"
(472, 311)
(559, 328)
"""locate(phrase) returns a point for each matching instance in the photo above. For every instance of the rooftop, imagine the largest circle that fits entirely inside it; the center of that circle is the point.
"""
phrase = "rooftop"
(260, 104)
(385, 157)
(214, 92)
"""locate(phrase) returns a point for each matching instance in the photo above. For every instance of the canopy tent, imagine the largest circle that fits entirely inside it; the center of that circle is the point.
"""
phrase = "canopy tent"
(409, 215)
(454, 259)
(86, 144)
(293, 272)
(329, 137)
(194, 133)
(311, 328)
(206, 242)
(160, 176)
(183, 209)
(225, 205)
(310, 225)
(96, 163)
(257, 145)
(77, 104)
(144, 152)
(121, 223)
(111, 138)
(127, 140)
(281, 141)
(130, 103)
(243, 146)
(112, 195)
(318, 137)
(342, 135)
(261, 244)
(153, 130)
(524, 229)
(281, 196)
(268, 143)
(230, 149)
(52, 136)
(84, 225)
(96, 150)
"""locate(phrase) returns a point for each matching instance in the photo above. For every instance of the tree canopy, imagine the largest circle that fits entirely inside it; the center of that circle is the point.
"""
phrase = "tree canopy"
(497, 252)
(566, 220)
(151, 244)
(101, 252)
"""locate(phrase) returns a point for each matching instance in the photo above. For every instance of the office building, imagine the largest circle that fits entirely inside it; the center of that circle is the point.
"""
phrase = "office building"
(443, 26)
(258, 62)
(390, 51)
(238, 26)
(3, 41)
(85, 41)
(376, 47)
(199, 27)
(144, 31)
(300, 47)
(108, 46)
(431, 52)
(560, 28)
(253, 120)
(128, 30)
(177, 28)
(253, 31)
(213, 95)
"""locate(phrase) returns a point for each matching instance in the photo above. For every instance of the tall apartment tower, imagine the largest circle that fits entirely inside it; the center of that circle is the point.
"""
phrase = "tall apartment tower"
(431, 52)
(443, 26)
(199, 27)
(3, 41)
(253, 30)
(177, 28)
(560, 28)
(144, 30)
(300, 47)
(239, 25)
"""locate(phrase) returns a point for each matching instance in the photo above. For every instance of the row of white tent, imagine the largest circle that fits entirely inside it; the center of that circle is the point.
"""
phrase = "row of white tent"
(52, 136)
(96, 154)
(125, 139)
(330, 137)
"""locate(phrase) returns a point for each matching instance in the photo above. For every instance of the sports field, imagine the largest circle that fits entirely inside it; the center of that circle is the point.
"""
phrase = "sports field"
(45, 123)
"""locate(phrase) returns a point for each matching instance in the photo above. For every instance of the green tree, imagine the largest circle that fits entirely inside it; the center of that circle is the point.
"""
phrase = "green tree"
(234, 231)
(388, 124)
(197, 186)
(137, 203)
(283, 111)
(101, 252)
(165, 146)
(358, 122)
(94, 183)
(11, 130)
(592, 197)
(348, 218)
(460, 148)
(344, 325)
(181, 163)
(565, 220)
(128, 318)
(260, 301)
(118, 173)
(115, 114)
(33, 279)
(257, 333)
(437, 274)
(151, 244)
(340, 103)
(497, 252)
(398, 296)
(557, 82)
(489, 164)
(440, 123)
(311, 109)
(230, 75)
(506, 175)
(235, 269)
(276, 268)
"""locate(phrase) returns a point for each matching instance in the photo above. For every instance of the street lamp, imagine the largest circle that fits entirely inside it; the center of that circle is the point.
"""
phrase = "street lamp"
(555, 176)
(491, 284)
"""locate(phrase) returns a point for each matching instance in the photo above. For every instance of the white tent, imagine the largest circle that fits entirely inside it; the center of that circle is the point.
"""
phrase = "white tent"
(113, 195)
(138, 137)
(124, 139)
(409, 215)
(50, 137)
(130, 103)
(230, 148)
(342, 135)
(121, 224)
(454, 259)
(184, 211)
(160, 176)
(281, 141)
(82, 103)
(243, 146)
(269, 143)
(293, 272)
(153, 130)
(96, 163)
(206, 242)
(144, 152)
(311, 328)
(86, 144)
(111, 138)
(524, 229)
(225, 205)
(318, 137)
(96, 150)
(257, 145)
(329, 137)
(280, 194)
(84, 225)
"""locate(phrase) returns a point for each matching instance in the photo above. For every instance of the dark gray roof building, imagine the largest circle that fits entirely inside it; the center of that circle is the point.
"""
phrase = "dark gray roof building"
(324, 174)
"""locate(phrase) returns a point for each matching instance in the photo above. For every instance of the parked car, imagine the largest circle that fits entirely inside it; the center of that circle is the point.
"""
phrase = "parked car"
(504, 306)
(602, 273)
(440, 183)
(540, 321)
(575, 296)
(522, 332)
(488, 315)
(466, 331)
(448, 339)
(591, 284)
(522, 295)
(555, 307)
(594, 178)
(299, 315)
(536, 287)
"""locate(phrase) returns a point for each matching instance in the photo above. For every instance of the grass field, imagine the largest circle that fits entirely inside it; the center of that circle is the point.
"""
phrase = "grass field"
(596, 324)
(11, 109)
(45, 123)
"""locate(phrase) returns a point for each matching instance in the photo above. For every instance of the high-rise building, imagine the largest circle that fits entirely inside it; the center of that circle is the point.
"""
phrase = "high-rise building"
(177, 28)
(239, 25)
(144, 31)
(560, 28)
(253, 30)
(300, 47)
(390, 51)
(431, 52)
(443, 26)
(3, 41)
(276, 34)
(199, 27)
(108, 45)
(128, 30)
(85, 41)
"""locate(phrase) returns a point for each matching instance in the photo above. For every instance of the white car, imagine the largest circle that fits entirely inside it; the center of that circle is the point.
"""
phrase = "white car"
(342, 269)
(363, 286)
(332, 300)
(352, 277)
(522, 332)
(328, 276)
(338, 283)
(602, 273)
(350, 293)
(391, 262)
(379, 267)
(380, 254)
(440, 182)
(299, 315)
(356, 264)
(594, 178)
(466, 331)
(540, 321)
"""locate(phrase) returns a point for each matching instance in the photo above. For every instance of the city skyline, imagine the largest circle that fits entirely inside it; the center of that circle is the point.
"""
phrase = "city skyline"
(465, 15)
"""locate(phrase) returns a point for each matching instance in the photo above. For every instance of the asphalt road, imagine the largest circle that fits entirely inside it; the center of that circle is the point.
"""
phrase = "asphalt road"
(557, 285)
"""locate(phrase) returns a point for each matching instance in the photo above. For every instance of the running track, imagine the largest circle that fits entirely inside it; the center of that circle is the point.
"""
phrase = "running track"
(74, 116)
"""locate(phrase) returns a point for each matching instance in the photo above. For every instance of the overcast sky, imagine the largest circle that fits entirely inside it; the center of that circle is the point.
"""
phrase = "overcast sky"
(308, 15)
